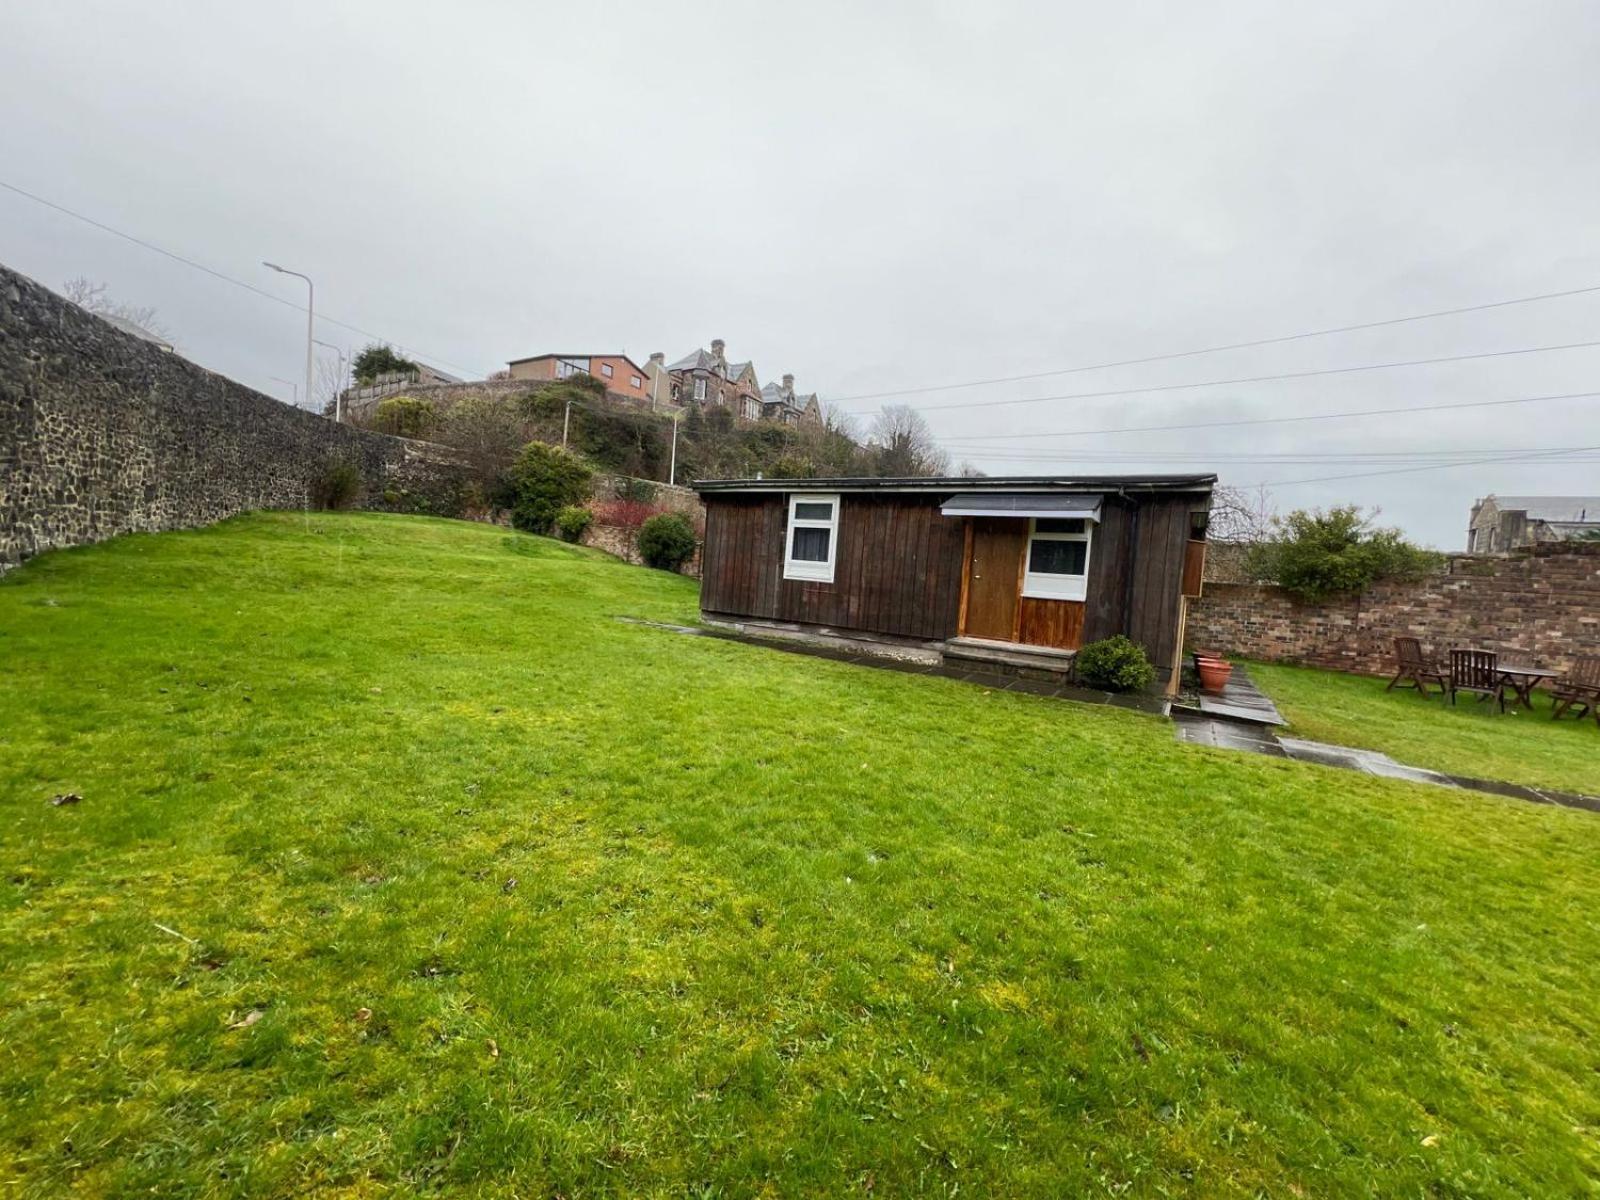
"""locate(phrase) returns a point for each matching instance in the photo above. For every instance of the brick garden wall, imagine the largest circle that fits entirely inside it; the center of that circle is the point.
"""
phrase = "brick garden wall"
(1540, 604)
(104, 433)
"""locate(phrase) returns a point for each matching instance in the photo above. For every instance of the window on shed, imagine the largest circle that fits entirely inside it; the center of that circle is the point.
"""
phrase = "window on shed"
(1058, 559)
(811, 545)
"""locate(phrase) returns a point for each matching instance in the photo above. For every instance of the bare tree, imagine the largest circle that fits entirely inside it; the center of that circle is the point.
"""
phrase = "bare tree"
(1241, 514)
(326, 384)
(903, 445)
(85, 293)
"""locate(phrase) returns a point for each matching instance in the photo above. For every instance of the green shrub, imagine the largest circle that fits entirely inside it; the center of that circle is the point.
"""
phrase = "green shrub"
(1318, 553)
(666, 541)
(542, 481)
(640, 491)
(335, 486)
(405, 416)
(1114, 665)
(571, 522)
(377, 360)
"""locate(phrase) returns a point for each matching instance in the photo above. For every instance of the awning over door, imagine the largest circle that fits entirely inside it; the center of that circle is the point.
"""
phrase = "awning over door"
(999, 504)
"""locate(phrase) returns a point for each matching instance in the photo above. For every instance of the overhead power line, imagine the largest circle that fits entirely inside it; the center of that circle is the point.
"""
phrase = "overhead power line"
(1410, 470)
(1268, 341)
(980, 441)
(1181, 387)
(215, 274)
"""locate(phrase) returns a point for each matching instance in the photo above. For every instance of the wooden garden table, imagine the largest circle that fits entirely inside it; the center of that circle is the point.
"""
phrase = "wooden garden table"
(1521, 680)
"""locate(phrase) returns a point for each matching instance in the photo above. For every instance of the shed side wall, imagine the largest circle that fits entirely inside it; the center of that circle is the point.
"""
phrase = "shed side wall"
(898, 569)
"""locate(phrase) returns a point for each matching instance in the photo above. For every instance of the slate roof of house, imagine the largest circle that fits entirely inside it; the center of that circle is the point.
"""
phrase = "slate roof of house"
(774, 393)
(700, 360)
(1558, 510)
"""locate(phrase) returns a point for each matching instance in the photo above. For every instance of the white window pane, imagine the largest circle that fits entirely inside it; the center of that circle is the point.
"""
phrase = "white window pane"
(1049, 557)
(811, 545)
(813, 510)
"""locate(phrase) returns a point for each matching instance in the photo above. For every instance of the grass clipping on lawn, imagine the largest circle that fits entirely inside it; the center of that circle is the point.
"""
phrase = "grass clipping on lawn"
(400, 864)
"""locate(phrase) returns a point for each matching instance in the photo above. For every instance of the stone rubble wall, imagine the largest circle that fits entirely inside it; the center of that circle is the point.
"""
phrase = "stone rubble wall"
(663, 496)
(103, 433)
(623, 542)
(1540, 604)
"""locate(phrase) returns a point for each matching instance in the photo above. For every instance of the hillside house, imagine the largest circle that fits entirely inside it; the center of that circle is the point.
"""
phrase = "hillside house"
(1501, 523)
(706, 378)
(618, 372)
(780, 402)
(1014, 571)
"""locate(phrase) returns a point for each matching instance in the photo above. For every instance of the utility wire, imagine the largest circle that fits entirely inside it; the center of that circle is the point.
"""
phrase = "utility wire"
(215, 274)
(980, 441)
(1270, 341)
(1181, 387)
(1409, 470)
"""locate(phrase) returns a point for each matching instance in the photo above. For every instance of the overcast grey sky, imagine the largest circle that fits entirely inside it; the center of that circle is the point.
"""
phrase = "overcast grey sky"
(873, 197)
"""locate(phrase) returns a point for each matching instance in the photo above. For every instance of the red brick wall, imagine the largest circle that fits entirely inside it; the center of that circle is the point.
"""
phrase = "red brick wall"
(1540, 604)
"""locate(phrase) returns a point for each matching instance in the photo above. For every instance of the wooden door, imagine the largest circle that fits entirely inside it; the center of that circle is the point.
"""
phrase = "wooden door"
(994, 577)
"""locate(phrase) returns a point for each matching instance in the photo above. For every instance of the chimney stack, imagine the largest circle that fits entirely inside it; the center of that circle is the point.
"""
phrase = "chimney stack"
(788, 384)
(659, 358)
(717, 347)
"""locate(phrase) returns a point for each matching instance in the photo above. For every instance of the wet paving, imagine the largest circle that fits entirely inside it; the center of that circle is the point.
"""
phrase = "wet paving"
(1257, 739)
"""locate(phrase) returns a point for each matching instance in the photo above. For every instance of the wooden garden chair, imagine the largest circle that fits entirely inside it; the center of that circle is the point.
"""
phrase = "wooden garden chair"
(1580, 688)
(1477, 671)
(1411, 664)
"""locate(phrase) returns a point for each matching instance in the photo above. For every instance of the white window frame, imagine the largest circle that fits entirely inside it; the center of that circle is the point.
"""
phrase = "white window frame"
(805, 569)
(1043, 586)
(700, 388)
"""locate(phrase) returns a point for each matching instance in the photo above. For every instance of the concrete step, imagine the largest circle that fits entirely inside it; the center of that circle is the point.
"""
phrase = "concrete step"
(1029, 662)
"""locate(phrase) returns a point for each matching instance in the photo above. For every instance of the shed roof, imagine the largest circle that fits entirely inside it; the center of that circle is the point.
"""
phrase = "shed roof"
(986, 483)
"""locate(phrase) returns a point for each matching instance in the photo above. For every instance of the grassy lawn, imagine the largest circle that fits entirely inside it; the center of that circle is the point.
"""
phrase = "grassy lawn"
(476, 891)
(1470, 738)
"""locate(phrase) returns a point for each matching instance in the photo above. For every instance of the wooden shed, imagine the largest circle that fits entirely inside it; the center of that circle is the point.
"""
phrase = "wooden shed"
(1021, 570)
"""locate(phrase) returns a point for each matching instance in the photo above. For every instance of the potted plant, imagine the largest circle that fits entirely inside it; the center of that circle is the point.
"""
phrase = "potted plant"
(1214, 672)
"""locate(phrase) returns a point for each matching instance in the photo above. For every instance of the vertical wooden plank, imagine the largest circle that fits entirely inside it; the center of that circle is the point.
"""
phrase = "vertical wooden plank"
(1022, 574)
(966, 569)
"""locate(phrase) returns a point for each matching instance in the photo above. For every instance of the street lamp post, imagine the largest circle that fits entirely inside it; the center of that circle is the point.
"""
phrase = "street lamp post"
(338, 391)
(672, 473)
(311, 295)
(294, 388)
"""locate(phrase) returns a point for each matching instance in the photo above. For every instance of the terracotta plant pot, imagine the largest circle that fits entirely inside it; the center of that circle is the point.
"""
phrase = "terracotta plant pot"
(1214, 673)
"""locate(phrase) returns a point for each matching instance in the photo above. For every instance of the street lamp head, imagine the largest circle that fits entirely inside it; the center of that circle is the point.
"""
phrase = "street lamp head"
(274, 266)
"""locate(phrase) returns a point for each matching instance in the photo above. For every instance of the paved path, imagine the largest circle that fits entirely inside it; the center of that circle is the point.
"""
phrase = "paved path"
(1260, 739)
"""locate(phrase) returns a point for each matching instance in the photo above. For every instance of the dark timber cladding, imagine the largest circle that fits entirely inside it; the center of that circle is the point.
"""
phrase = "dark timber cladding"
(898, 569)
(904, 568)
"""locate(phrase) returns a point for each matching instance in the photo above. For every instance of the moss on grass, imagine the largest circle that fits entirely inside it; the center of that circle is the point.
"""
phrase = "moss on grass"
(531, 901)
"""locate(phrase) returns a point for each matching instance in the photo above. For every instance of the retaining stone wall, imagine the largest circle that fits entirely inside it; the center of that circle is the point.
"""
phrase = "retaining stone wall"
(103, 433)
